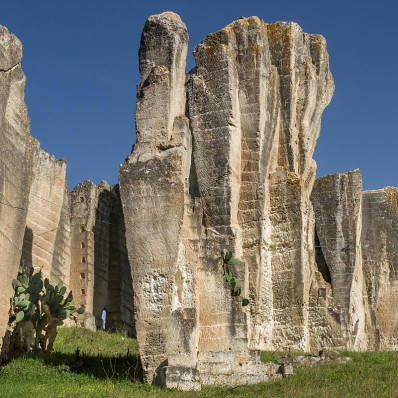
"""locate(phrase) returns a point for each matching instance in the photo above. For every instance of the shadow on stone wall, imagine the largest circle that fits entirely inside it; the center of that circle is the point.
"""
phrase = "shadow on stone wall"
(113, 286)
(26, 256)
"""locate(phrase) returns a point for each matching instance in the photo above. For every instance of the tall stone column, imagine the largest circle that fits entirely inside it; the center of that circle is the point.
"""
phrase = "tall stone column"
(229, 97)
(16, 148)
(160, 214)
(337, 201)
(305, 89)
(255, 101)
(380, 264)
(255, 105)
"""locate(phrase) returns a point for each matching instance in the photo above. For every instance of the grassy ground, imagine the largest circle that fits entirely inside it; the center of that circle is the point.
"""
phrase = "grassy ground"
(103, 369)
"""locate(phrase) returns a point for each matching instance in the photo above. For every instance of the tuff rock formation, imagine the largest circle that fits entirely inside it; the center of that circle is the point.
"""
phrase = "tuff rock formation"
(223, 159)
(100, 271)
(337, 202)
(38, 215)
(231, 168)
(16, 151)
(46, 243)
(380, 264)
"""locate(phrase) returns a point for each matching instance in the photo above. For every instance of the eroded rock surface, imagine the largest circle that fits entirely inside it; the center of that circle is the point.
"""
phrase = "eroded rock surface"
(380, 263)
(254, 106)
(38, 225)
(160, 214)
(15, 163)
(223, 159)
(34, 203)
(100, 273)
(337, 201)
(47, 204)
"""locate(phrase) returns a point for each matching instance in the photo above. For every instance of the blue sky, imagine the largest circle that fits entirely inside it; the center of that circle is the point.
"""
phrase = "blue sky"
(80, 58)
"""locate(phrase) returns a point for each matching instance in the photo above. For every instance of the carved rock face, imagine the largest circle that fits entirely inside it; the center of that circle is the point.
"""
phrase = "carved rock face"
(255, 103)
(337, 201)
(36, 215)
(380, 264)
(223, 159)
(34, 205)
(15, 162)
(231, 168)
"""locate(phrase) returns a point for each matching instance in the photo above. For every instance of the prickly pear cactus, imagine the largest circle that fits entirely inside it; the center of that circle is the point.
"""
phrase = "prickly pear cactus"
(229, 261)
(37, 308)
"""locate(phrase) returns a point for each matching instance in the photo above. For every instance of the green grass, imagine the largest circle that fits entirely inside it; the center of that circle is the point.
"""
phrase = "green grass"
(270, 356)
(92, 343)
(113, 374)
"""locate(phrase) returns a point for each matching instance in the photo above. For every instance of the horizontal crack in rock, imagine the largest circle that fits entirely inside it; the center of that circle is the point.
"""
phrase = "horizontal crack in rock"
(12, 67)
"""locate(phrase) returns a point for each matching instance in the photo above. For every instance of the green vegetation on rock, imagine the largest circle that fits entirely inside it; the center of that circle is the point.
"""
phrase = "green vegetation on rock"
(229, 261)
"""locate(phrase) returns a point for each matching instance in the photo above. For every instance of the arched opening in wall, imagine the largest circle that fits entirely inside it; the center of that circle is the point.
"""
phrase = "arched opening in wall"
(82, 228)
(103, 317)
(83, 260)
(81, 199)
(82, 245)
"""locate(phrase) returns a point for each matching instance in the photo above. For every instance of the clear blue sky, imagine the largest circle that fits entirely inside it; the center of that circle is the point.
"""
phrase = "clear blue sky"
(80, 58)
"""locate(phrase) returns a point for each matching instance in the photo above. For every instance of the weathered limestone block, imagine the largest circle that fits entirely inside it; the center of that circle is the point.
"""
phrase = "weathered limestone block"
(255, 105)
(84, 201)
(15, 166)
(99, 258)
(160, 215)
(291, 218)
(324, 313)
(337, 201)
(60, 267)
(380, 263)
(46, 204)
(34, 207)
(227, 104)
(216, 126)
(305, 89)
(255, 101)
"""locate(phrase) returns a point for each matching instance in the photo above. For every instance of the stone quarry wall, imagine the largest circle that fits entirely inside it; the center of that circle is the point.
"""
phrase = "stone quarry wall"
(356, 236)
(380, 264)
(15, 165)
(44, 223)
(223, 159)
(40, 221)
(337, 202)
(100, 273)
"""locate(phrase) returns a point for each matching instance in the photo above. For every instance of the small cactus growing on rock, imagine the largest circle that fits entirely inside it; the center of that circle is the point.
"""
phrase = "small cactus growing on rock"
(37, 308)
(234, 282)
